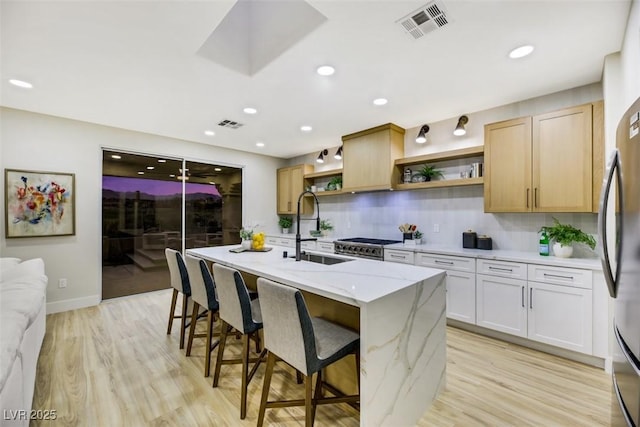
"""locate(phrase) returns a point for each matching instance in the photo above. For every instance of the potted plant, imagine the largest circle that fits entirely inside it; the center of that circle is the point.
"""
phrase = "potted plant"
(285, 222)
(247, 236)
(325, 226)
(564, 235)
(430, 172)
(417, 237)
(335, 183)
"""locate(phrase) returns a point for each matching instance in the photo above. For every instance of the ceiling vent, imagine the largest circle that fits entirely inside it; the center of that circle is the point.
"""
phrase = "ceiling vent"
(428, 18)
(230, 124)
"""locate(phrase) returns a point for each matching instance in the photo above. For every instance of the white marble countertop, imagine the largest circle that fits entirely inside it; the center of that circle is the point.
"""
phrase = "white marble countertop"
(501, 254)
(355, 282)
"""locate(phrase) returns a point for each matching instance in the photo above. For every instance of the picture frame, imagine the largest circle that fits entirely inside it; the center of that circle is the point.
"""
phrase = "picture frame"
(39, 204)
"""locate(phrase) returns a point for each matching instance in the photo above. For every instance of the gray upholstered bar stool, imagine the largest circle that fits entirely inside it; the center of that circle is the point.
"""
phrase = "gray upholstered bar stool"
(180, 285)
(203, 294)
(240, 312)
(307, 343)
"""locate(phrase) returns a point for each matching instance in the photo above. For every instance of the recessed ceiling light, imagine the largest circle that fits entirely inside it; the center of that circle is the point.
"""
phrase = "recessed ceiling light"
(20, 83)
(162, 161)
(116, 156)
(209, 132)
(172, 176)
(306, 128)
(259, 144)
(521, 51)
(326, 70)
(140, 173)
(150, 168)
(217, 169)
(380, 101)
(250, 110)
(212, 183)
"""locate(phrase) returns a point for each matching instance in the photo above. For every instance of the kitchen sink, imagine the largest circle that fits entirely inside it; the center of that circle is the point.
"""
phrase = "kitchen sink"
(322, 259)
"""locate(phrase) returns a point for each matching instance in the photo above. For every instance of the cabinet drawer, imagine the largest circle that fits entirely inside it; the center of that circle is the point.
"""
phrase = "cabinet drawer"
(325, 247)
(281, 241)
(398, 256)
(502, 268)
(446, 262)
(307, 245)
(561, 276)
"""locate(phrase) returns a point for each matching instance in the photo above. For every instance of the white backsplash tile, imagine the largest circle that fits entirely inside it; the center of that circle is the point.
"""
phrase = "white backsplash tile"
(454, 209)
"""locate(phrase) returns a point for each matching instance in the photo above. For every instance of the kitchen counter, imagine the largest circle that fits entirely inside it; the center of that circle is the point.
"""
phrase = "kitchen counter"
(401, 316)
(502, 254)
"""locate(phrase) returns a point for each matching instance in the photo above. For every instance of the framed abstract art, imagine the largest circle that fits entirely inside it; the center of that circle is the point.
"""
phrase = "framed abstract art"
(39, 204)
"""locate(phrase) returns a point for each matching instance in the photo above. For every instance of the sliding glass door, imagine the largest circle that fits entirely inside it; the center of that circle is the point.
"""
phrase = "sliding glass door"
(150, 203)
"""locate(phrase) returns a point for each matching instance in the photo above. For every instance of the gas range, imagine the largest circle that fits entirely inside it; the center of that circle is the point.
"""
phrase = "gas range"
(363, 247)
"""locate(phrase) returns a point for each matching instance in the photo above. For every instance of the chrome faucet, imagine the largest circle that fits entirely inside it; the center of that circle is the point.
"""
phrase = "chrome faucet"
(317, 218)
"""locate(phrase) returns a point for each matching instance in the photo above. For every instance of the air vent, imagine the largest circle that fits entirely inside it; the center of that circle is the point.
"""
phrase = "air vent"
(230, 124)
(428, 18)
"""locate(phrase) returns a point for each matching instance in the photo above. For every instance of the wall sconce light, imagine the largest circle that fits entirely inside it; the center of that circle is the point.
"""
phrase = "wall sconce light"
(460, 130)
(422, 135)
(338, 155)
(323, 153)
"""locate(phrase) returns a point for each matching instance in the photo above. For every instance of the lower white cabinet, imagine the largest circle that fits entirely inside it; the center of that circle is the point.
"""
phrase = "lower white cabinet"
(561, 316)
(403, 257)
(325, 247)
(501, 304)
(289, 242)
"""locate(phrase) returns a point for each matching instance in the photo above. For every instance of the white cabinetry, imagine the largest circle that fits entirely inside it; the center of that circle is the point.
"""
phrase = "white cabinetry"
(404, 257)
(325, 247)
(461, 284)
(288, 242)
(560, 305)
(501, 304)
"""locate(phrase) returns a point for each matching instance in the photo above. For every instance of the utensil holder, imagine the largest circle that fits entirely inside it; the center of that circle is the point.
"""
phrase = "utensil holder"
(469, 239)
(407, 236)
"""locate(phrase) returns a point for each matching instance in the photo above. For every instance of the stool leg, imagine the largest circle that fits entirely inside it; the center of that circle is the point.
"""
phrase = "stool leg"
(174, 298)
(223, 339)
(183, 319)
(308, 403)
(245, 374)
(207, 360)
(271, 361)
(317, 395)
(192, 328)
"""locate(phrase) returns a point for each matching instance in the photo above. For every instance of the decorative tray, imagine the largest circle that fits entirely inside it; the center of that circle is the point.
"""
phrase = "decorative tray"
(241, 249)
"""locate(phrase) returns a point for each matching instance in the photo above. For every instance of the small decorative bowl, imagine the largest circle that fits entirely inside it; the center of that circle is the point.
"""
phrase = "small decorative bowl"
(315, 233)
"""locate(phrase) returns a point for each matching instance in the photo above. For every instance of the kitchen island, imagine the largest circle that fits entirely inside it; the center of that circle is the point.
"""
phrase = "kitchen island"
(401, 317)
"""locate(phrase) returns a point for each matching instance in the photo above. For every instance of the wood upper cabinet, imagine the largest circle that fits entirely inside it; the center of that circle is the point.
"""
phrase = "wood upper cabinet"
(507, 174)
(368, 158)
(290, 185)
(544, 163)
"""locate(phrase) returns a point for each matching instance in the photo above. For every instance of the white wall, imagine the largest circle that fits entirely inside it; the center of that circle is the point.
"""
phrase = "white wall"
(452, 210)
(39, 142)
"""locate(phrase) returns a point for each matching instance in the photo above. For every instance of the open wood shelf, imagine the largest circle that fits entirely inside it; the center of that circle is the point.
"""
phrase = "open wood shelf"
(333, 172)
(326, 193)
(439, 184)
(442, 156)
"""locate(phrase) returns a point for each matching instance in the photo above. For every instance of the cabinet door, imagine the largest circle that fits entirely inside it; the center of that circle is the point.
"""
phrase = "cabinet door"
(296, 187)
(562, 160)
(461, 296)
(284, 191)
(501, 304)
(561, 316)
(507, 157)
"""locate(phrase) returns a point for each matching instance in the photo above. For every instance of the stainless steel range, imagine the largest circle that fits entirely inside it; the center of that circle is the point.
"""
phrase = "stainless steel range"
(363, 247)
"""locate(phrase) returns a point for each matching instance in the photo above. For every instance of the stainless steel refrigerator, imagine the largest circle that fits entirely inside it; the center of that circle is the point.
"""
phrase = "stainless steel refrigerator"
(621, 264)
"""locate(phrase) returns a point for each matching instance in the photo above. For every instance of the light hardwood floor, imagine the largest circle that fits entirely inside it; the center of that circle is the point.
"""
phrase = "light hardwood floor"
(114, 365)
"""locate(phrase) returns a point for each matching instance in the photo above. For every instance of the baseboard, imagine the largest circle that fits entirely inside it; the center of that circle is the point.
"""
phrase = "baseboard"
(73, 304)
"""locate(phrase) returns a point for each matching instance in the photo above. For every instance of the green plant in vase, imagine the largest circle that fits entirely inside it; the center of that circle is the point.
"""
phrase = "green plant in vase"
(285, 222)
(335, 183)
(564, 236)
(430, 172)
(325, 226)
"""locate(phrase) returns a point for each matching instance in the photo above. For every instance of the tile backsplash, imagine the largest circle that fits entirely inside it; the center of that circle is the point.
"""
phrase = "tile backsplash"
(450, 210)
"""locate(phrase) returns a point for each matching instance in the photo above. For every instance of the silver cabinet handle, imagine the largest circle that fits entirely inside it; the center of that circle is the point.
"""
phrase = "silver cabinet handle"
(443, 262)
(510, 270)
(609, 276)
(523, 297)
(396, 256)
(559, 276)
(530, 298)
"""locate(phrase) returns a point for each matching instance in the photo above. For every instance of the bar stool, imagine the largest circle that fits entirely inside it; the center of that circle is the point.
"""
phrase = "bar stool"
(306, 343)
(239, 312)
(203, 294)
(180, 284)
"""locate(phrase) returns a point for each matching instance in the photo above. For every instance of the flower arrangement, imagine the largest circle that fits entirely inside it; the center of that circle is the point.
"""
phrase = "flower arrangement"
(246, 234)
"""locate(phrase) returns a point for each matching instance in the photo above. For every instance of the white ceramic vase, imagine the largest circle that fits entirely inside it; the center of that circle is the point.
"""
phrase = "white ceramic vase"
(562, 251)
(285, 231)
(246, 244)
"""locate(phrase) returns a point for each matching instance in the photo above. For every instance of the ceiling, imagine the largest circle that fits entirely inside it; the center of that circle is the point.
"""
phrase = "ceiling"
(141, 65)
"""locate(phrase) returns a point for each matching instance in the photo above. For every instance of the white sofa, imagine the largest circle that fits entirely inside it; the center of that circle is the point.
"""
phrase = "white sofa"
(23, 288)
